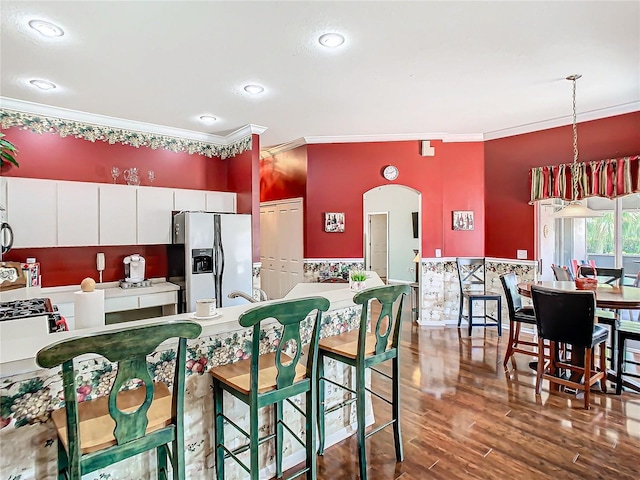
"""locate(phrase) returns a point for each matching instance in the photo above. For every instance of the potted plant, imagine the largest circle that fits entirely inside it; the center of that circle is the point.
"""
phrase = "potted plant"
(357, 279)
(8, 152)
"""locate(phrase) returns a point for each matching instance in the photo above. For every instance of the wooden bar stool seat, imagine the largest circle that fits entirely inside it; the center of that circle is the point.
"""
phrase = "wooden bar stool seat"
(100, 432)
(268, 380)
(365, 349)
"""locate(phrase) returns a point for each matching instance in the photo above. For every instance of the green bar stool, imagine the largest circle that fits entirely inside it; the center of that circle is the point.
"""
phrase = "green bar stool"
(269, 379)
(364, 348)
(97, 433)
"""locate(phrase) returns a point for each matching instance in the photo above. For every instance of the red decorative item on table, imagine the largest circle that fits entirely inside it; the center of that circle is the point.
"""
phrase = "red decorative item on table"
(586, 283)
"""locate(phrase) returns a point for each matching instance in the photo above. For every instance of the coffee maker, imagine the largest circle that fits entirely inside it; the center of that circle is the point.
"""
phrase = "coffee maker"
(134, 270)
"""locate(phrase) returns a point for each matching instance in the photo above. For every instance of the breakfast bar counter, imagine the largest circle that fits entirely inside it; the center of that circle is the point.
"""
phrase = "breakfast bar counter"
(28, 393)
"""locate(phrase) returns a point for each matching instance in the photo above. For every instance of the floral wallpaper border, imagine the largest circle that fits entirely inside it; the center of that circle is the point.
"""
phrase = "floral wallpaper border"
(318, 270)
(86, 131)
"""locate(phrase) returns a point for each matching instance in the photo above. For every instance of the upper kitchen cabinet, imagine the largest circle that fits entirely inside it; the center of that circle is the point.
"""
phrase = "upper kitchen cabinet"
(31, 211)
(77, 214)
(117, 215)
(223, 202)
(189, 200)
(154, 215)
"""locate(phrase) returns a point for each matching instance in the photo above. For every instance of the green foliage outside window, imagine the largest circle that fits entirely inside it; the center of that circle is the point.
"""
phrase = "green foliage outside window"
(600, 234)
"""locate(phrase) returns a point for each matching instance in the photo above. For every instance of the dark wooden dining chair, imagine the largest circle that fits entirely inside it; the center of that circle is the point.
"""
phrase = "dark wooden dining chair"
(471, 275)
(611, 318)
(100, 432)
(518, 315)
(569, 318)
(561, 274)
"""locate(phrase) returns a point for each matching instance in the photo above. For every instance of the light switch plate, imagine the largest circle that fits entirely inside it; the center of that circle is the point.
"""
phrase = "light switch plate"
(100, 262)
(522, 254)
(438, 252)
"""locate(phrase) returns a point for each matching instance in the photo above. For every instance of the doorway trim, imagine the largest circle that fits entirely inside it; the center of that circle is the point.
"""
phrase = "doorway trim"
(367, 239)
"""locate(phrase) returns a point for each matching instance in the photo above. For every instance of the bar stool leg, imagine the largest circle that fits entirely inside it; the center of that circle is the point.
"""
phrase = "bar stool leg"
(219, 422)
(310, 421)
(320, 388)
(277, 412)
(254, 435)
(499, 316)
(460, 309)
(397, 433)
(513, 334)
(360, 411)
(470, 316)
(619, 360)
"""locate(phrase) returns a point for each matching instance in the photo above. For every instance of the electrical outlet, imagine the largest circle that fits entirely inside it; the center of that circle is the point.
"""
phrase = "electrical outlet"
(521, 254)
(438, 252)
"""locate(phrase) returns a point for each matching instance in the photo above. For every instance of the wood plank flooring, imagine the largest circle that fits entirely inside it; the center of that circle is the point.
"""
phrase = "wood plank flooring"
(463, 417)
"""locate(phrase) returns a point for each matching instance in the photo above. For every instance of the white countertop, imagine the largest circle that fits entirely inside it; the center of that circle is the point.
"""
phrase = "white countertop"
(19, 357)
(59, 295)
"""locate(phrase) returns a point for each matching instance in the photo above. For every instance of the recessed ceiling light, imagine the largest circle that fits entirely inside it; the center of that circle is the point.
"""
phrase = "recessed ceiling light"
(45, 28)
(331, 40)
(42, 84)
(254, 89)
(208, 118)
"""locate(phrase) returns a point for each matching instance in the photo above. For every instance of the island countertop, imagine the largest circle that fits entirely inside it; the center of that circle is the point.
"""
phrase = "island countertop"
(19, 357)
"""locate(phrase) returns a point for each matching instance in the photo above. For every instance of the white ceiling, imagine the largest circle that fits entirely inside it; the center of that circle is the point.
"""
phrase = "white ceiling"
(415, 68)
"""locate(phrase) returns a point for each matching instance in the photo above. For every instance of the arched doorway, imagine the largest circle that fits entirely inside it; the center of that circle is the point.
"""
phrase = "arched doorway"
(395, 204)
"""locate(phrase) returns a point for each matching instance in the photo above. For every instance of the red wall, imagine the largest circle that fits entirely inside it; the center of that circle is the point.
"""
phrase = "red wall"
(52, 157)
(284, 175)
(244, 179)
(339, 174)
(509, 222)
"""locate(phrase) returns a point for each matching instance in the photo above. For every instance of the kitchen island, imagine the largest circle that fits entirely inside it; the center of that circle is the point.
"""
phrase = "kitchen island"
(28, 440)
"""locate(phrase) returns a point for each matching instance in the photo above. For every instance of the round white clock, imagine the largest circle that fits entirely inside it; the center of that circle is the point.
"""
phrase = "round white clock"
(390, 172)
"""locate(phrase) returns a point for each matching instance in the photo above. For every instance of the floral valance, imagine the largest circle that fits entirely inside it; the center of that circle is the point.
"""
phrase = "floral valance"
(611, 178)
(86, 131)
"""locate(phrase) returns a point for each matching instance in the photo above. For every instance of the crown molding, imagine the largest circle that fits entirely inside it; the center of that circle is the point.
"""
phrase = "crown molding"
(284, 147)
(391, 137)
(564, 120)
(106, 121)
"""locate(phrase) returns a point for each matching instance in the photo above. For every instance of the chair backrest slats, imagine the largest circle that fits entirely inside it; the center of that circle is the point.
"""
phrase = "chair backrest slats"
(561, 274)
(289, 314)
(387, 295)
(563, 316)
(610, 276)
(471, 272)
(128, 347)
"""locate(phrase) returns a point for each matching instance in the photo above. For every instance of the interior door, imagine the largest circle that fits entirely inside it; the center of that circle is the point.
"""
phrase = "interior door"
(281, 246)
(546, 239)
(378, 244)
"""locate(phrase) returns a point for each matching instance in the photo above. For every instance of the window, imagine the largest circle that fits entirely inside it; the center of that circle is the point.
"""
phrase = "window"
(612, 240)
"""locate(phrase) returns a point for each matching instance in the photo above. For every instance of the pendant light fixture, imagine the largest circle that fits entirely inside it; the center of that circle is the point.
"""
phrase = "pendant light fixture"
(575, 209)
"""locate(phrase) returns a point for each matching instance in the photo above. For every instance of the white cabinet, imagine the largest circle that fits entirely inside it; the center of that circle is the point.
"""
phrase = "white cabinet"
(224, 202)
(117, 215)
(154, 215)
(31, 211)
(77, 213)
(189, 200)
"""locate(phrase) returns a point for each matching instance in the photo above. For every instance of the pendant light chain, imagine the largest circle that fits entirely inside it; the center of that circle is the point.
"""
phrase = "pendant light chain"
(574, 167)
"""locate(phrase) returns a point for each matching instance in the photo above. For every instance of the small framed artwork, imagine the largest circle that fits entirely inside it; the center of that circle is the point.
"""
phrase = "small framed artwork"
(334, 222)
(463, 219)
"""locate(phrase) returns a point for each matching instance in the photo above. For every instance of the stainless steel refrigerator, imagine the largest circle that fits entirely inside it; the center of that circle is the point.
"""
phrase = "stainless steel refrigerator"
(212, 253)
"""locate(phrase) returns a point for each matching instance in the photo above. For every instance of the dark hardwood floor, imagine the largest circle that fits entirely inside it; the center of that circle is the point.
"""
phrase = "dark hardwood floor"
(463, 417)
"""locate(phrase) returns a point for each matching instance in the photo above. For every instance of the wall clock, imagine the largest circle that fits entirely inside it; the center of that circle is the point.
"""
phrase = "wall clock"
(390, 172)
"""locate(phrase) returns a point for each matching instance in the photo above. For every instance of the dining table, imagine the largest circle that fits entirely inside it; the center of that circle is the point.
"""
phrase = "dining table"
(607, 297)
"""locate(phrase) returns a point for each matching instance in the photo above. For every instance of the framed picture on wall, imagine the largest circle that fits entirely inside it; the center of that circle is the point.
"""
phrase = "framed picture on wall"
(462, 220)
(334, 222)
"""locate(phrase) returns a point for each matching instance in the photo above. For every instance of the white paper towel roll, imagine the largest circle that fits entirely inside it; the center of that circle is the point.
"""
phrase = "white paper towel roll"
(88, 309)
